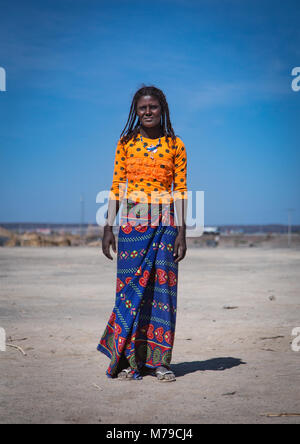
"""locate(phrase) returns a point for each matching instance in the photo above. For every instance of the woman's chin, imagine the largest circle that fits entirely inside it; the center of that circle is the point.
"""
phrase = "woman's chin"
(150, 124)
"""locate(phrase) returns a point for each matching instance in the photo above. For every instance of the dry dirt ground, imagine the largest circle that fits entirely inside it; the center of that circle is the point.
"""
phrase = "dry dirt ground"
(232, 365)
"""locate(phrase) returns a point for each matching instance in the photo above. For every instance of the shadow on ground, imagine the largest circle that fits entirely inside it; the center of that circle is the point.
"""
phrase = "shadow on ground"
(215, 364)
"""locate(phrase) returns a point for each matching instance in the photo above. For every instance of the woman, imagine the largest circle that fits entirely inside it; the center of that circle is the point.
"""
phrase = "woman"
(140, 331)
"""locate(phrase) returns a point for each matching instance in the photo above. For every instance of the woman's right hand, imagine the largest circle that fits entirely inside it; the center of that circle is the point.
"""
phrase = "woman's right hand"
(107, 241)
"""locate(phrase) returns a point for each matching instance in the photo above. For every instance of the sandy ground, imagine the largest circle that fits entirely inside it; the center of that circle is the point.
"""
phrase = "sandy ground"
(55, 303)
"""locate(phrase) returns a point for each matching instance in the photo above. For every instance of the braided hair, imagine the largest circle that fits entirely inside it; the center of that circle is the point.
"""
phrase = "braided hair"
(132, 126)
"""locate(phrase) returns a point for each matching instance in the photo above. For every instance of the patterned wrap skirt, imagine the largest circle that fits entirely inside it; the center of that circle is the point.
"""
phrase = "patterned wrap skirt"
(140, 331)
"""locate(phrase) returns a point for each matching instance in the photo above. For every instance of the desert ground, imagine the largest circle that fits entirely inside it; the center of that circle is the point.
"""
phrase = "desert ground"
(232, 357)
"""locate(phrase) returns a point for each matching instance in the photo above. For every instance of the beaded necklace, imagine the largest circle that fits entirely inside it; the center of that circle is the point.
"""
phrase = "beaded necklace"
(152, 148)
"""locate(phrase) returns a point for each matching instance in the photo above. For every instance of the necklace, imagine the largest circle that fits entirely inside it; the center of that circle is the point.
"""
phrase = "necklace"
(152, 148)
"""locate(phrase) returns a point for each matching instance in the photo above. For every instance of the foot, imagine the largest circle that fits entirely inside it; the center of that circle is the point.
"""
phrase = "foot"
(164, 375)
(128, 373)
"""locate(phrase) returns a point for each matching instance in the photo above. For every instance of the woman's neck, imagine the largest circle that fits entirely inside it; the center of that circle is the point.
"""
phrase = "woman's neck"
(151, 133)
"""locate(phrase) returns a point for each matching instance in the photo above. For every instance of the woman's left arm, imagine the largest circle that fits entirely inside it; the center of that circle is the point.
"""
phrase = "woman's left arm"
(180, 198)
(180, 241)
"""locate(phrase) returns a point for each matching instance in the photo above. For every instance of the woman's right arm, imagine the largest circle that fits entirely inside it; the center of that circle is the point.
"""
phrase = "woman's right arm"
(108, 235)
(117, 192)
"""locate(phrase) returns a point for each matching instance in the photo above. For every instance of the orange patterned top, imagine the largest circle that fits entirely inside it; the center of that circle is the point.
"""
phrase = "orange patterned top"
(150, 175)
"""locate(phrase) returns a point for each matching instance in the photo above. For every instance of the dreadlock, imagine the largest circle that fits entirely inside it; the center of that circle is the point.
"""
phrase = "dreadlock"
(132, 126)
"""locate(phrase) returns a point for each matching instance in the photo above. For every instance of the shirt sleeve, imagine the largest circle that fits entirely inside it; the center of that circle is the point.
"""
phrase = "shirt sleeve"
(180, 172)
(118, 187)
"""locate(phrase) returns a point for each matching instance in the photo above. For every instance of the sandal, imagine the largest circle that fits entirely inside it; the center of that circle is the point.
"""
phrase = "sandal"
(129, 373)
(161, 373)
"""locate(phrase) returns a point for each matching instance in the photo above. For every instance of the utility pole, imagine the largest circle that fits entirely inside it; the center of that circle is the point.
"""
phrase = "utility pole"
(81, 215)
(290, 210)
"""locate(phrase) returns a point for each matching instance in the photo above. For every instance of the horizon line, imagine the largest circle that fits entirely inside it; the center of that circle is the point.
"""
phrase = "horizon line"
(95, 224)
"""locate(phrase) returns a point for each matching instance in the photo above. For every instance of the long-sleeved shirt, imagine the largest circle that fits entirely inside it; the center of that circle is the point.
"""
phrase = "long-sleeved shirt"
(150, 175)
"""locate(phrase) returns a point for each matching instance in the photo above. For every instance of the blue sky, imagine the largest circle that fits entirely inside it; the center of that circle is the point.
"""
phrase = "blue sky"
(225, 66)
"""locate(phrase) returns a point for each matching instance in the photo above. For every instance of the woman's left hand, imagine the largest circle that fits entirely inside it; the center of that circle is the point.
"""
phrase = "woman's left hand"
(179, 247)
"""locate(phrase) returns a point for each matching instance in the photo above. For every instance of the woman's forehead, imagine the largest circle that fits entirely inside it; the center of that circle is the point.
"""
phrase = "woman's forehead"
(148, 100)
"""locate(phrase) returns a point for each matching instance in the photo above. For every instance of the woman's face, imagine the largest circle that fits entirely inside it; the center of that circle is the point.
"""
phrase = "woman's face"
(149, 111)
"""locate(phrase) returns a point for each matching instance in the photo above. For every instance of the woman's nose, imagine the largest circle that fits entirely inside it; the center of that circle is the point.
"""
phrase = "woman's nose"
(148, 110)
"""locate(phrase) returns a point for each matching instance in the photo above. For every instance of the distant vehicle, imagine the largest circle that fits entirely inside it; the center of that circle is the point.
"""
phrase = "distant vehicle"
(45, 231)
(211, 230)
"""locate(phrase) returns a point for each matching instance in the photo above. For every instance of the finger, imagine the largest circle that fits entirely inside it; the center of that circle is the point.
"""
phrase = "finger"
(178, 259)
(178, 252)
(106, 252)
(114, 245)
(175, 253)
(181, 255)
(108, 255)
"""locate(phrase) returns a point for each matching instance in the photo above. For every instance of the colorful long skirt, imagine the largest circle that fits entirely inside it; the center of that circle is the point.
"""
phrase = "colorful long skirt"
(141, 328)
